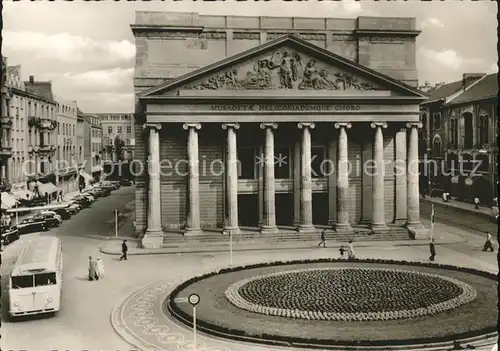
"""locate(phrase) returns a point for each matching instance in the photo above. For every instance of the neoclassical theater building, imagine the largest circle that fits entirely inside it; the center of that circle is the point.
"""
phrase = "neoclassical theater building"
(273, 123)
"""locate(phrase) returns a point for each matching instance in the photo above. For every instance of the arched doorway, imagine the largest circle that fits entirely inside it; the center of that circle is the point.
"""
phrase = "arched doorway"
(482, 162)
(466, 164)
(468, 130)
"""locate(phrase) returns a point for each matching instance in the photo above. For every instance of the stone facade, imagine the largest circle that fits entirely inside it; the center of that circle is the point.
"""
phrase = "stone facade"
(301, 104)
(117, 125)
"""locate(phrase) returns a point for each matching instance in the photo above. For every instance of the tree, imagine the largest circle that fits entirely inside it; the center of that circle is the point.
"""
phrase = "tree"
(119, 148)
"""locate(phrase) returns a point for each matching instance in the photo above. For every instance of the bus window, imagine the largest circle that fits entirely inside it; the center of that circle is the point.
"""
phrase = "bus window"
(42, 279)
(22, 281)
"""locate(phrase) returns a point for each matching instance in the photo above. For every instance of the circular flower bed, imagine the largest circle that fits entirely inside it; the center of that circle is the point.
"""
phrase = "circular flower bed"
(349, 294)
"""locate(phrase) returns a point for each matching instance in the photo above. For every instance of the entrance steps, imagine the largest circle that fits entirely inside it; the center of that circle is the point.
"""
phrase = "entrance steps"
(249, 236)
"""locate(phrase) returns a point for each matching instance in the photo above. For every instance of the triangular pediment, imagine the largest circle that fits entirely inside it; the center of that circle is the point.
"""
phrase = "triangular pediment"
(285, 67)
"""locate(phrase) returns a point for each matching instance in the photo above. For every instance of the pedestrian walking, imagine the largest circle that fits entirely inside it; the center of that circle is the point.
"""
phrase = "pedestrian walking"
(488, 245)
(476, 203)
(342, 250)
(100, 268)
(124, 250)
(350, 251)
(432, 249)
(323, 239)
(92, 269)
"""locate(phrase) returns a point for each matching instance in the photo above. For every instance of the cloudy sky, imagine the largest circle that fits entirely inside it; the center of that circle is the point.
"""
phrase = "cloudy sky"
(87, 48)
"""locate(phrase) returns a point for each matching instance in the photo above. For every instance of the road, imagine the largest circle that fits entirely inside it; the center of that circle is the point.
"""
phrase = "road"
(84, 320)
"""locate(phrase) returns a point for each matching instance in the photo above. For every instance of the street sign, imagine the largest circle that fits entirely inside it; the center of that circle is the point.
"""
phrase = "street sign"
(194, 299)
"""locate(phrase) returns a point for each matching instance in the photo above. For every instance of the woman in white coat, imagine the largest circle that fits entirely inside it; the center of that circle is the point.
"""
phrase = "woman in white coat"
(100, 268)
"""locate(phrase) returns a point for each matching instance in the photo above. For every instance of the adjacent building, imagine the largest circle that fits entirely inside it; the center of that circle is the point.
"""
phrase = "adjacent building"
(94, 164)
(67, 145)
(118, 136)
(266, 123)
(460, 128)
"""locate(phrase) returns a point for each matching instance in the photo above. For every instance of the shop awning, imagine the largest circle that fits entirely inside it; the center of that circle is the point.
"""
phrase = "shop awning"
(48, 188)
(8, 201)
(87, 176)
(22, 194)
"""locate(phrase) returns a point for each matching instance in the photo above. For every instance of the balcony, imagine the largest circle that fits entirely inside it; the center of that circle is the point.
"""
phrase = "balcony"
(46, 150)
(41, 123)
(5, 151)
(6, 122)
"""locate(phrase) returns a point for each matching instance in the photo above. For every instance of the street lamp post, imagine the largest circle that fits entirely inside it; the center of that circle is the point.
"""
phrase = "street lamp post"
(194, 299)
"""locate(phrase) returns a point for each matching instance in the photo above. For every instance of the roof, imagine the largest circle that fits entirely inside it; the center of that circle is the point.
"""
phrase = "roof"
(483, 89)
(297, 43)
(443, 91)
(42, 89)
(40, 253)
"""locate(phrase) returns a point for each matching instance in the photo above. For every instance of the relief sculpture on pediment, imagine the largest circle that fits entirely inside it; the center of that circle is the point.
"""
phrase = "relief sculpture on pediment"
(283, 69)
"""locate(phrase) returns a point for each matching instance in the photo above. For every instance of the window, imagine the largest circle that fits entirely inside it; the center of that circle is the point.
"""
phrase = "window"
(43, 279)
(119, 129)
(129, 129)
(437, 120)
(454, 131)
(437, 148)
(110, 130)
(22, 281)
(483, 130)
(318, 165)
(73, 130)
(468, 130)
(282, 163)
(247, 162)
(128, 142)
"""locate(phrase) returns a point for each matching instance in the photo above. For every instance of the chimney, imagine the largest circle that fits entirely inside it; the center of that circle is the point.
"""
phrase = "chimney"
(32, 79)
(469, 78)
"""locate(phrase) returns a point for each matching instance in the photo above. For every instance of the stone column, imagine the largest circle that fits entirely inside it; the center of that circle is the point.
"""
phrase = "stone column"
(231, 172)
(413, 216)
(306, 224)
(269, 220)
(153, 237)
(378, 208)
(193, 218)
(296, 183)
(400, 175)
(3, 168)
(332, 183)
(342, 224)
(260, 174)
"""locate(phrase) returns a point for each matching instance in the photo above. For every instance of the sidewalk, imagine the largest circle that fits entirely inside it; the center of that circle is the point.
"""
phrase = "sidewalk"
(444, 235)
(482, 211)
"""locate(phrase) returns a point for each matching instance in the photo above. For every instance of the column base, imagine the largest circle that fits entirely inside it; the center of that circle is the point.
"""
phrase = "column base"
(152, 239)
(192, 231)
(268, 229)
(400, 222)
(379, 228)
(306, 228)
(419, 232)
(332, 222)
(231, 230)
(341, 227)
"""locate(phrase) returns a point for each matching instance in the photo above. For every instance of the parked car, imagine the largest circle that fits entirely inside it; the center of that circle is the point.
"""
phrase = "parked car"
(82, 201)
(30, 225)
(89, 196)
(108, 186)
(125, 182)
(51, 219)
(9, 235)
(436, 192)
(63, 212)
(73, 208)
(101, 192)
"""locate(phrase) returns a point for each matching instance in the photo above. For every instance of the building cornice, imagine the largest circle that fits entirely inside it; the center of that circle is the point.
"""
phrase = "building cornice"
(412, 33)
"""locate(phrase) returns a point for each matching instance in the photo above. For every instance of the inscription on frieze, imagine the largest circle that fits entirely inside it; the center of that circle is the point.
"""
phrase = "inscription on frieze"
(183, 35)
(246, 35)
(283, 69)
(275, 35)
(285, 107)
(312, 36)
(394, 39)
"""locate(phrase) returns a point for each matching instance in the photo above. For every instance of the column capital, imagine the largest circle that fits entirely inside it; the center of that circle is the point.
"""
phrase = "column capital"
(156, 126)
(230, 125)
(186, 126)
(414, 125)
(309, 125)
(339, 125)
(268, 125)
(378, 124)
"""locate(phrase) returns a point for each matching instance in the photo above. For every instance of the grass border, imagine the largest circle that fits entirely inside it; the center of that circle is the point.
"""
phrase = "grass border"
(277, 340)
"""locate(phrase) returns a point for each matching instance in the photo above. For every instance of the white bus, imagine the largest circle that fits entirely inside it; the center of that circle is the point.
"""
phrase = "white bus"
(36, 279)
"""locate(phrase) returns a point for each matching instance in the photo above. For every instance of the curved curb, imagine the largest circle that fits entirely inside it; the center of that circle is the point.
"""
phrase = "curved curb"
(487, 336)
